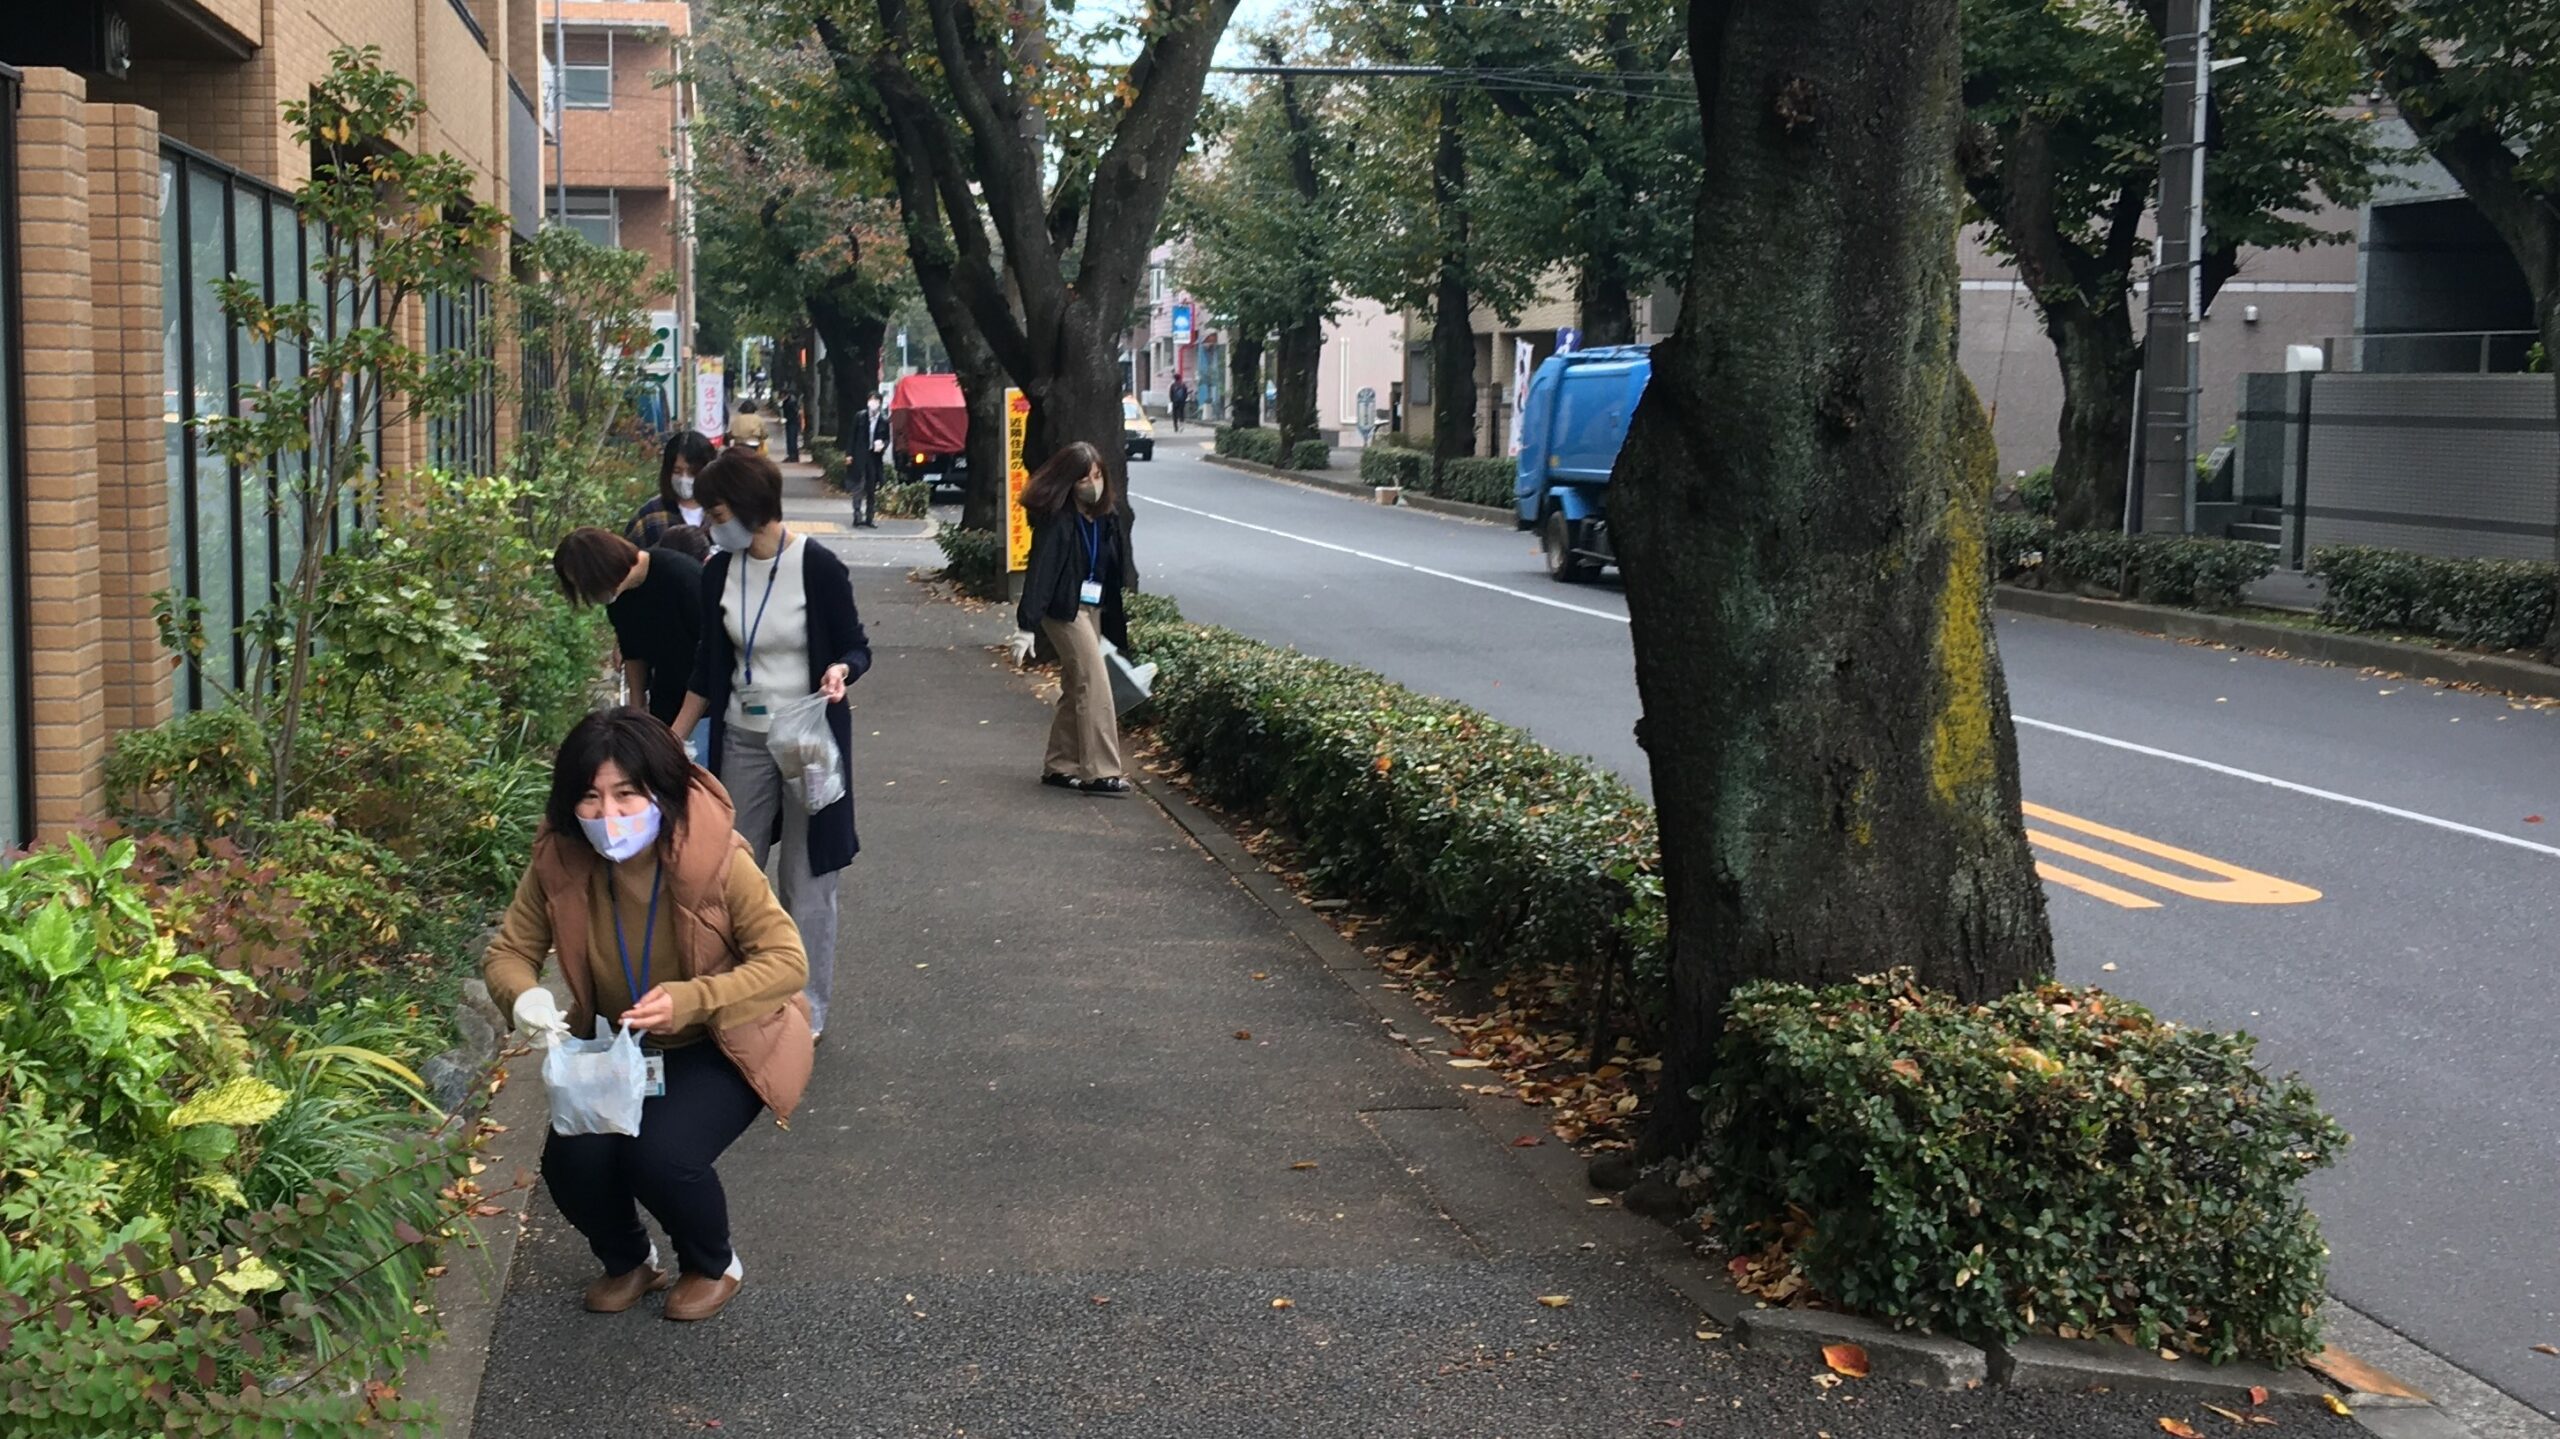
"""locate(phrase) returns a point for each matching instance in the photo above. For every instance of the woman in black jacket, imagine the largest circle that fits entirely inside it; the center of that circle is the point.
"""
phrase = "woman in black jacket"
(778, 625)
(1072, 593)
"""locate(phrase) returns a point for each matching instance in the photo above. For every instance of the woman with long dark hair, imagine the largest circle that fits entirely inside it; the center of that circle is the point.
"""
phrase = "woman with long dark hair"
(684, 457)
(1071, 592)
(664, 923)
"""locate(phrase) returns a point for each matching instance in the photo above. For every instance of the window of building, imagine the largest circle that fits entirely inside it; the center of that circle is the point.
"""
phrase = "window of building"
(595, 215)
(466, 439)
(586, 70)
(1156, 290)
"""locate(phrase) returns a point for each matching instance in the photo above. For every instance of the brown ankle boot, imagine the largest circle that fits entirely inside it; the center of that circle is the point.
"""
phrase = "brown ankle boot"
(700, 1296)
(616, 1292)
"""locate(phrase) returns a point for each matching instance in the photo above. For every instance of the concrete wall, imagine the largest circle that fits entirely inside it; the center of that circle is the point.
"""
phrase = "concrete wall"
(2465, 465)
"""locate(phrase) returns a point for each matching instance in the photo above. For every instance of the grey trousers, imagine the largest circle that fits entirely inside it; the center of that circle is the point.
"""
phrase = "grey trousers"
(754, 783)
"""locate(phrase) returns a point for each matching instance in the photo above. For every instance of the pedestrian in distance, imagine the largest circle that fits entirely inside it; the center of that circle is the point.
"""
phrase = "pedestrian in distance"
(662, 922)
(872, 465)
(748, 429)
(1179, 398)
(791, 426)
(1072, 593)
(652, 597)
(778, 624)
(691, 541)
(680, 459)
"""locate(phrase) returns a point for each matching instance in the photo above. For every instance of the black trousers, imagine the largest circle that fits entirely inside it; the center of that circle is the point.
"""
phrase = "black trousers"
(866, 490)
(597, 1178)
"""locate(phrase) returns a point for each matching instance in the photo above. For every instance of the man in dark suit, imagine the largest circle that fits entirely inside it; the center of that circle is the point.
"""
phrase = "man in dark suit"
(791, 425)
(871, 466)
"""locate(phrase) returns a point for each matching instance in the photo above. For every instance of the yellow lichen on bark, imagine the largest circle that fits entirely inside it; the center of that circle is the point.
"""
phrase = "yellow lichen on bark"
(1960, 742)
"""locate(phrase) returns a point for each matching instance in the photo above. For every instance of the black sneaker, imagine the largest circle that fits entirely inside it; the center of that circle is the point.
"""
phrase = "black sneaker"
(1059, 781)
(1105, 786)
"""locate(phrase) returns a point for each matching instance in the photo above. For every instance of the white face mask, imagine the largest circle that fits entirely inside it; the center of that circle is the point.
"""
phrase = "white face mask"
(731, 535)
(620, 836)
(684, 487)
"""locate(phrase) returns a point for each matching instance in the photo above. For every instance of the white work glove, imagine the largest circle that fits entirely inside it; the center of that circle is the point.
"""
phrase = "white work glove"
(537, 1011)
(1022, 645)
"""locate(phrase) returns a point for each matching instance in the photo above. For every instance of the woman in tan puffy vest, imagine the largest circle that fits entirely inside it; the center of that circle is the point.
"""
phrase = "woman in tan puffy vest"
(664, 925)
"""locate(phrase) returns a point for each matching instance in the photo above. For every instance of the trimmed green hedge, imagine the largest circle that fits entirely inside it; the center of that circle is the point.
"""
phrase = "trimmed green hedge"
(1471, 833)
(1491, 482)
(2057, 1156)
(1407, 469)
(2159, 569)
(1260, 445)
(2496, 604)
(973, 559)
(1311, 455)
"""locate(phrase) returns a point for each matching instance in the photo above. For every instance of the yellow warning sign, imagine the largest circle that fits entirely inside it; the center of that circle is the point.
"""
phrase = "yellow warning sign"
(1017, 437)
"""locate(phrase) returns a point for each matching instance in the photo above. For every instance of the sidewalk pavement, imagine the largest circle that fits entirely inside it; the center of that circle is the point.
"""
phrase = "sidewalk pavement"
(1088, 1111)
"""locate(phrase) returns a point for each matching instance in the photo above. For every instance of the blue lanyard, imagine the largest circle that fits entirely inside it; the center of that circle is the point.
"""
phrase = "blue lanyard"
(648, 941)
(1092, 547)
(748, 657)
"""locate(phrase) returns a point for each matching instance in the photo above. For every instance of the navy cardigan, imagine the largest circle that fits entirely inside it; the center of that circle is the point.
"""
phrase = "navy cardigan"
(835, 638)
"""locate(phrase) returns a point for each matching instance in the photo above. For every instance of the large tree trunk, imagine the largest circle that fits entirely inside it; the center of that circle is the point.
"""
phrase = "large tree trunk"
(2101, 366)
(1601, 297)
(1080, 400)
(1244, 382)
(853, 363)
(1453, 335)
(1301, 356)
(1807, 570)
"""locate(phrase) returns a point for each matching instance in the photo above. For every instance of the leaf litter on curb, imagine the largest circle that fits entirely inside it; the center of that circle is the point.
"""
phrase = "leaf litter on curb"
(1846, 1360)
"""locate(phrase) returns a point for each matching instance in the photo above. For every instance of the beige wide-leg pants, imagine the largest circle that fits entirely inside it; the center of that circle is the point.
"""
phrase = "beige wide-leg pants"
(1084, 738)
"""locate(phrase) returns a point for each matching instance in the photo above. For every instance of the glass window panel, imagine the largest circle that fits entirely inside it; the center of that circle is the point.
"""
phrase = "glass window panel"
(173, 380)
(587, 87)
(292, 282)
(257, 490)
(210, 382)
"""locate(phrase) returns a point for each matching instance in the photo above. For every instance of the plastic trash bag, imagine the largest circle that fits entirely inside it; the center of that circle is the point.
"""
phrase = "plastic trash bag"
(1131, 685)
(804, 749)
(596, 1084)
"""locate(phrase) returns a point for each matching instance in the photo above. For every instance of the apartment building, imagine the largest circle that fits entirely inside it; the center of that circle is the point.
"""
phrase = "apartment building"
(143, 157)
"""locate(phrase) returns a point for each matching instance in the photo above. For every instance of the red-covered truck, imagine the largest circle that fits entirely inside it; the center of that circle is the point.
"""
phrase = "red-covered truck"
(929, 430)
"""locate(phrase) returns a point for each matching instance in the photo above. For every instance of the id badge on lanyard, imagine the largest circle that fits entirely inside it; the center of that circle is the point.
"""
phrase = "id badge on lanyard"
(753, 703)
(653, 1073)
(1091, 592)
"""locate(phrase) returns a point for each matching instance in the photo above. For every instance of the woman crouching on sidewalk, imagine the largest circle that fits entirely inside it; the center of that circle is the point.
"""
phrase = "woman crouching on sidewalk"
(663, 923)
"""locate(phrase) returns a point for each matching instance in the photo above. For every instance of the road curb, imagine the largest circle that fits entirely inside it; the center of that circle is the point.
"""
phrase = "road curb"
(1361, 490)
(468, 1295)
(1927, 1360)
(2418, 661)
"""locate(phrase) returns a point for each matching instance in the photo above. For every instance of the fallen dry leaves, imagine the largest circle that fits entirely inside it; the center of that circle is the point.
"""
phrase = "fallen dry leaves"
(2179, 1427)
(1555, 1301)
(2337, 1406)
(1849, 1361)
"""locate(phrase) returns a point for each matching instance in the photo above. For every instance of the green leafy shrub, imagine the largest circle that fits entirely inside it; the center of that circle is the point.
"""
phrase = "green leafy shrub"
(1256, 444)
(2160, 569)
(1311, 455)
(1469, 831)
(972, 559)
(2018, 544)
(2496, 604)
(906, 501)
(1405, 469)
(835, 469)
(2055, 1157)
(2035, 490)
(1493, 482)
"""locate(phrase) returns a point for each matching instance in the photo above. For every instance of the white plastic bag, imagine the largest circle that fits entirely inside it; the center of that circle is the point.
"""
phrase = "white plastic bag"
(596, 1084)
(1131, 685)
(804, 749)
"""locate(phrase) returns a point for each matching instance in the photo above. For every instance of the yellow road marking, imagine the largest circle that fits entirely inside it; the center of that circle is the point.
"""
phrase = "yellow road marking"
(2095, 889)
(2230, 883)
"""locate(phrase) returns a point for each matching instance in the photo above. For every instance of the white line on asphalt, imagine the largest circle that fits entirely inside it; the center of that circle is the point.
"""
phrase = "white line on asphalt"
(1554, 604)
(2285, 784)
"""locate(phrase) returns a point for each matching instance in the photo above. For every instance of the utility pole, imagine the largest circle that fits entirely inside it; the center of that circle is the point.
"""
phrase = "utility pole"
(2173, 338)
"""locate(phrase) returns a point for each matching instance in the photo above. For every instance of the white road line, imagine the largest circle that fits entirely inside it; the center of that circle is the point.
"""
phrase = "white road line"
(2285, 784)
(1553, 604)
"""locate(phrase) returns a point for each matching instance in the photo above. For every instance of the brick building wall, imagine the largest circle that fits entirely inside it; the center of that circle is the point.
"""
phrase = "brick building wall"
(132, 451)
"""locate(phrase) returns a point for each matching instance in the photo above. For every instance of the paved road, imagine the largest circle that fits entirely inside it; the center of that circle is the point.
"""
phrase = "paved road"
(2382, 917)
